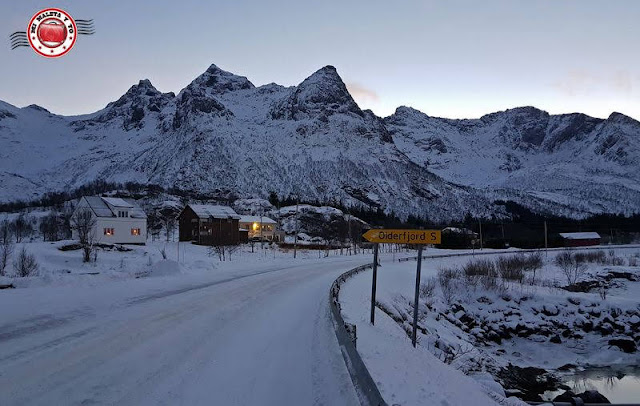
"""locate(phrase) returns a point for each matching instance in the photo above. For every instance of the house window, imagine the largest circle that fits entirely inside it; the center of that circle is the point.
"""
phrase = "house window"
(109, 231)
(135, 231)
(123, 213)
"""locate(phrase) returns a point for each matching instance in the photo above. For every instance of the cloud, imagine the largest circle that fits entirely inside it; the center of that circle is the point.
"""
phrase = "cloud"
(361, 93)
(581, 82)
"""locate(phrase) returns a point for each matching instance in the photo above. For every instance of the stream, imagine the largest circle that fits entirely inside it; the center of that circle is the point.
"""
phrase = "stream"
(620, 384)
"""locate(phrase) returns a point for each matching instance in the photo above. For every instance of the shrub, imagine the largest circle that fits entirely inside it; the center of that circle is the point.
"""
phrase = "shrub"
(448, 278)
(570, 266)
(598, 257)
(25, 264)
(479, 268)
(534, 261)
(511, 268)
(428, 287)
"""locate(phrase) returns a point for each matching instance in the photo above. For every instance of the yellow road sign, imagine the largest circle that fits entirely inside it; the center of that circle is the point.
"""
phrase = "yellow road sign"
(403, 236)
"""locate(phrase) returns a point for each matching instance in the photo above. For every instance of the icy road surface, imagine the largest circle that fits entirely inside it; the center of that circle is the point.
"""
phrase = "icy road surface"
(258, 337)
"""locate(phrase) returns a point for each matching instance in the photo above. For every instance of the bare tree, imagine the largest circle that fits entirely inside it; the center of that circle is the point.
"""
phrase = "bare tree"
(168, 221)
(83, 223)
(50, 227)
(231, 249)
(21, 227)
(218, 250)
(6, 246)
(25, 264)
(571, 267)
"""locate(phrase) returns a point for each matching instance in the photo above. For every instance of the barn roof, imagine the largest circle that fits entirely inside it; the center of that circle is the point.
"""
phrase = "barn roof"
(205, 211)
(589, 235)
(256, 219)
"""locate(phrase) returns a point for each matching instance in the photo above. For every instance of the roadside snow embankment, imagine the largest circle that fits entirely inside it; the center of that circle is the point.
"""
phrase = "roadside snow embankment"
(511, 316)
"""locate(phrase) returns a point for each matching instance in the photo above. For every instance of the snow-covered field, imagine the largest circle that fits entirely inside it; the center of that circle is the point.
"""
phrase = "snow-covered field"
(478, 332)
(253, 330)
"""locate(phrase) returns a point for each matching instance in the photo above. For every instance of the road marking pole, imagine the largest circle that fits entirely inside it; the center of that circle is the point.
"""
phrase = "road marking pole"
(373, 283)
(417, 295)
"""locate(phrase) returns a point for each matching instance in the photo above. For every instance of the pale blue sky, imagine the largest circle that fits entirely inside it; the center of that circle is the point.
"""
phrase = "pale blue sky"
(446, 58)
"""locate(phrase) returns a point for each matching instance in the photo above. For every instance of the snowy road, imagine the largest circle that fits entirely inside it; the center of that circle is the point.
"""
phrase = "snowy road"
(257, 339)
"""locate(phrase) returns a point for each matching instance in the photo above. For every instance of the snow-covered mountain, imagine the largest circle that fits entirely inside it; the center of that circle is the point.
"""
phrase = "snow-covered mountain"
(223, 136)
(564, 163)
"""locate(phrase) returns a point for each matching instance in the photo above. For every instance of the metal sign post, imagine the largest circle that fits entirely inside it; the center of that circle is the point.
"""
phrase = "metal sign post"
(418, 237)
(373, 283)
(417, 295)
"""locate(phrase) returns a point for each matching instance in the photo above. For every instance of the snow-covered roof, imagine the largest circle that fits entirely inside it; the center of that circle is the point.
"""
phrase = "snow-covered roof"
(107, 206)
(257, 219)
(459, 230)
(205, 211)
(589, 235)
(117, 202)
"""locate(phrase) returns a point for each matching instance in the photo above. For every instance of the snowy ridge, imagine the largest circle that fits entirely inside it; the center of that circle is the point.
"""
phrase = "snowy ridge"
(225, 137)
(560, 164)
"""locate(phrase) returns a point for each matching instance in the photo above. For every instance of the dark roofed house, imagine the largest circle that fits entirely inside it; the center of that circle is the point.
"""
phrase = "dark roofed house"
(209, 224)
(583, 239)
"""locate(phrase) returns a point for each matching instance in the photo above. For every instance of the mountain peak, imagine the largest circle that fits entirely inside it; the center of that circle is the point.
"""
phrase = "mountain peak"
(37, 108)
(325, 74)
(322, 94)
(616, 117)
(217, 81)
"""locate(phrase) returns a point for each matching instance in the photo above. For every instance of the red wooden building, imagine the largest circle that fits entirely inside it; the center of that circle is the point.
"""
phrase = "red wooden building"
(583, 239)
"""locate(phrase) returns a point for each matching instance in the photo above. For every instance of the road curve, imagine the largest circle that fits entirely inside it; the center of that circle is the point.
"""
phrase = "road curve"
(262, 339)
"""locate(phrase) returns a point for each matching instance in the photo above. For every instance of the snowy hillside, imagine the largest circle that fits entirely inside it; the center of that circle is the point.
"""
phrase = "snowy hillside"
(569, 162)
(223, 136)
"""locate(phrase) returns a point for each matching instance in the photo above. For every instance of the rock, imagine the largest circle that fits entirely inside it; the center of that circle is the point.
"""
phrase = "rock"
(493, 336)
(550, 310)
(590, 396)
(556, 339)
(574, 301)
(567, 367)
(532, 382)
(625, 344)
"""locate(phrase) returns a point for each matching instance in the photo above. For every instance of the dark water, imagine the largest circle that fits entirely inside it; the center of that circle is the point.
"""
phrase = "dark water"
(618, 384)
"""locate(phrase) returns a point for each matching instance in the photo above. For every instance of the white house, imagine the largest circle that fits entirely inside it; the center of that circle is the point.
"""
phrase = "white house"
(259, 227)
(118, 221)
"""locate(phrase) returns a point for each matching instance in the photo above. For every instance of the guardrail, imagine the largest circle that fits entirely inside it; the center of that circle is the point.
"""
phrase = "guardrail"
(580, 402)
(461, 254)
(364, 384)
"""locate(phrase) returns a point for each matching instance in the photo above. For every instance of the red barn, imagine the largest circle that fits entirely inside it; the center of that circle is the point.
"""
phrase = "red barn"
(580, 239)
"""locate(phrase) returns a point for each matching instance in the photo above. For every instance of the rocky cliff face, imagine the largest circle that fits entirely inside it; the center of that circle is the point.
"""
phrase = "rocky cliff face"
(222, 135)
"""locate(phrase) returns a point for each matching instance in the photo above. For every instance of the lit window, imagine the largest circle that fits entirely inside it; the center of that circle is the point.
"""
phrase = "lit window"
(255, 226)
(109, 231)
(135, 231)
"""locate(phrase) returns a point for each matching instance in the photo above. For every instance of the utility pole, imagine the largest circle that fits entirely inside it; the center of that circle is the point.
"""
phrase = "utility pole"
(546, 245)
(295, 238)
(261, 239)
(480, 224)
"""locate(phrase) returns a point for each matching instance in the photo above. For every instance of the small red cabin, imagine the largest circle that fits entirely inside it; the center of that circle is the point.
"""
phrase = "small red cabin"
(580, 239)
